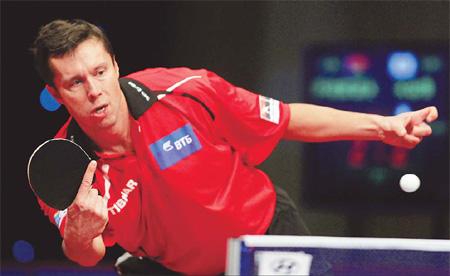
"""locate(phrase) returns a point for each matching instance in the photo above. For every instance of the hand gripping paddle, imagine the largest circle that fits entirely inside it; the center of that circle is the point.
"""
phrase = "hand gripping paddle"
(55, 171)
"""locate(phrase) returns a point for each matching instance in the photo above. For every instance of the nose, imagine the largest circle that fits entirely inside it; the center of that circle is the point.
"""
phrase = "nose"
(93, 89)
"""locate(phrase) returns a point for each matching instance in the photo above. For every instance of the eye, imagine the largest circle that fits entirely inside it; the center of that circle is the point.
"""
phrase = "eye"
(76, 82)
(101, 72)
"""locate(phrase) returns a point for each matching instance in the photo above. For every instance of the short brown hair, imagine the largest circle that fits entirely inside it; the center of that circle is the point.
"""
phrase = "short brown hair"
(60, 37)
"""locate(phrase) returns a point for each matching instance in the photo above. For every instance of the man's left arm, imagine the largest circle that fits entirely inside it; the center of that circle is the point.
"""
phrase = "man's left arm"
(313, 123)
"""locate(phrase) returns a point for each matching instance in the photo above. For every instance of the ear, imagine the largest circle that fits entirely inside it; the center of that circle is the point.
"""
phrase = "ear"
(54, 93)
(116, 66)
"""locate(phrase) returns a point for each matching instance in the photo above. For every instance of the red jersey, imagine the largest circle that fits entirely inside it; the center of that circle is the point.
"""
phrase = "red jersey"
(192, 182)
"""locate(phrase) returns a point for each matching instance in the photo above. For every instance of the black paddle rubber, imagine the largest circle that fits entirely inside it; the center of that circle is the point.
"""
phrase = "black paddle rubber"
(55, 171)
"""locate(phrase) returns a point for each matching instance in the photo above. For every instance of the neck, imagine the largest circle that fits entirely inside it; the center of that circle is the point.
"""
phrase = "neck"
(115, 139)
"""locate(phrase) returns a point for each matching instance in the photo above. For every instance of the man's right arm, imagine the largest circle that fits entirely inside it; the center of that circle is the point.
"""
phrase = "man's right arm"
(86, 220)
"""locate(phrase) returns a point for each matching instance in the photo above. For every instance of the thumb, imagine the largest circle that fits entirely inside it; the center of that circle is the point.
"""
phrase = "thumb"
(400, 130)
(86, 183)
(399, 124)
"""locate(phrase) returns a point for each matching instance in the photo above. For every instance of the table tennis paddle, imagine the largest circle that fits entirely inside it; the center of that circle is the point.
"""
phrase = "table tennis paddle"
(55, 171)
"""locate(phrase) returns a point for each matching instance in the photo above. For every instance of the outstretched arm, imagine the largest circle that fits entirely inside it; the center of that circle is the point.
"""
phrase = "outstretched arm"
(313, 123)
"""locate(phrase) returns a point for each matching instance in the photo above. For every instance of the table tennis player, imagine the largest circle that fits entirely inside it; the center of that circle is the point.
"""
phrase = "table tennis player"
(175, 177)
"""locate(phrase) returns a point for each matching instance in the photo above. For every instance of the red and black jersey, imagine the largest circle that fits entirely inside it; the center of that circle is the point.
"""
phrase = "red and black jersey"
(192, 182)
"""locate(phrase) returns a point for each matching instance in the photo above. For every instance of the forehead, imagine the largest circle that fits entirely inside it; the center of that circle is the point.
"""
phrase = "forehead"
(87, 55)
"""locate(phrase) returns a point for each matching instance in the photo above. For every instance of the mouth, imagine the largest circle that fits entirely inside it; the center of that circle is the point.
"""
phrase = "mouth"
(100, 110)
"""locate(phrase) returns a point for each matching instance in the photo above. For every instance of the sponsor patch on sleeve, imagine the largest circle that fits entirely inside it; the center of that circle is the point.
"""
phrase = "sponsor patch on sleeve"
(176, 146)
(269, 109)
(59, 217)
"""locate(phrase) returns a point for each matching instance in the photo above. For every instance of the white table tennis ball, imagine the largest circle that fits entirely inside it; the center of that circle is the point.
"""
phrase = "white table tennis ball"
(409, 183)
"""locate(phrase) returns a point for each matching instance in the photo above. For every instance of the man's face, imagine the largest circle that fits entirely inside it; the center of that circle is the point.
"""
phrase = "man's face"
(86, 83)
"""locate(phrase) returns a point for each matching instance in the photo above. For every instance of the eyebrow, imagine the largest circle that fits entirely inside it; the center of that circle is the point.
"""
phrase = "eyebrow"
(103, 64)
(69, 80)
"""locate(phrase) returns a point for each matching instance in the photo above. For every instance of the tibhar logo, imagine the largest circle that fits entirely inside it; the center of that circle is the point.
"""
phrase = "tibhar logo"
(122, 202)
(139, 90)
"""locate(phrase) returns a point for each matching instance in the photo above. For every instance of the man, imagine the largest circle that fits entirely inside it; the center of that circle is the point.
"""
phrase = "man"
(175, 169)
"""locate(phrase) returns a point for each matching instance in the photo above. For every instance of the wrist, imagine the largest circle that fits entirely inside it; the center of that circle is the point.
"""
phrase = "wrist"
(76, 243)
(379, 123)
(85, 254)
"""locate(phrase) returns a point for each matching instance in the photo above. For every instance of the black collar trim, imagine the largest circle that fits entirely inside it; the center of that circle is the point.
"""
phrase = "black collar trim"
(139, 97)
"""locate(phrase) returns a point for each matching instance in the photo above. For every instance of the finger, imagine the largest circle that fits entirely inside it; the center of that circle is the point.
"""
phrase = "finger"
(86, 201)
(86, 183)
(411, 140)
(92, 202)
(399, 129)
(433, 114)
(105, 201)
(93, 193)
(99, 204)
(428, 113)
(101, 208)
(422, 130)
(94, 196)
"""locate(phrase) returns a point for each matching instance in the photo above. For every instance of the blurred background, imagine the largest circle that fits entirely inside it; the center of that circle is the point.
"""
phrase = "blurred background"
(381, 57)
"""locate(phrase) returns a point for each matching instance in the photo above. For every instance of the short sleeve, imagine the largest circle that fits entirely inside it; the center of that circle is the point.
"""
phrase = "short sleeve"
(253, 124)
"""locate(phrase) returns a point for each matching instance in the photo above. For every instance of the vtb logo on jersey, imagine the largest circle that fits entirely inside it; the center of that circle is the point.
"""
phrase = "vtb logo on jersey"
(179, 144)
(269, 109)
(167, 146)
(176, 146)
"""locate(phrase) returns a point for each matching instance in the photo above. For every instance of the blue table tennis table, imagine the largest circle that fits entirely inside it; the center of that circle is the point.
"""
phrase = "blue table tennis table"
(316, 255)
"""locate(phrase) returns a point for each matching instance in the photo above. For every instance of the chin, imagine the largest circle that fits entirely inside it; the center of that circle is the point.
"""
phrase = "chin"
(104, 126)
(107, 124)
